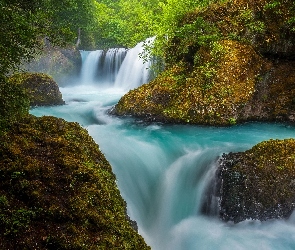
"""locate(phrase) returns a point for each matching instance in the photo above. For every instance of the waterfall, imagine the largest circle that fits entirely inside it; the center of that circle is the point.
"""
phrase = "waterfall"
(134, 70)
(116, 67)
(112, 62)
(164, 172)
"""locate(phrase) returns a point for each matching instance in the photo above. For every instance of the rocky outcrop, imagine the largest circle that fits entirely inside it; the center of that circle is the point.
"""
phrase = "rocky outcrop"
(57, 190)
(41, 88)
(257, 184)
(60, 63)
(228, 63)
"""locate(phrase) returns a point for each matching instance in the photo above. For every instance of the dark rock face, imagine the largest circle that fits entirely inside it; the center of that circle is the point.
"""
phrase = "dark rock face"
(258, 184)
(57, 190)
(41, 89)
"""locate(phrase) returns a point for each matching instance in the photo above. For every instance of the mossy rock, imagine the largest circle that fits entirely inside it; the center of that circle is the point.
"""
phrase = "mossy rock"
(226, 64)
(41, 88)
(214, 91)
(57, 190)
(258, 183)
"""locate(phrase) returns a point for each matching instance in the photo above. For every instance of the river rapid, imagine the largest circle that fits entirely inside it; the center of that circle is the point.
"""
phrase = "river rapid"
(163, 170)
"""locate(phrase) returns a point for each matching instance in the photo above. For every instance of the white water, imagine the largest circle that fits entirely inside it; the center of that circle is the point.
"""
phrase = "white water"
(119, 68)
(162, 172)
(133, 67)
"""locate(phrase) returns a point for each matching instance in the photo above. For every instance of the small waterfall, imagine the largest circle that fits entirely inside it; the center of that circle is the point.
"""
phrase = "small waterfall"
(116, 67)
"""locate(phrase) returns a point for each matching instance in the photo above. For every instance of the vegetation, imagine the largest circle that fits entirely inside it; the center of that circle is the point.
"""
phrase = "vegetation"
(220, 68)
(57, 190)
(14, 103)
(27, 25)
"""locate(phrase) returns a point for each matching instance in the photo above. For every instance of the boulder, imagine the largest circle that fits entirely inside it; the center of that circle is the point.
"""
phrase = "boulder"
(228, 63)
(57, 190)
(257, 184)
(41, 88)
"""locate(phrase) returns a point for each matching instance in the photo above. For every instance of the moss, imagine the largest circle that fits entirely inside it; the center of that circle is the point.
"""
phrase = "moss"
(213, 92)
(41, 88)
(220, 67)
(259, 183)
(57, 190)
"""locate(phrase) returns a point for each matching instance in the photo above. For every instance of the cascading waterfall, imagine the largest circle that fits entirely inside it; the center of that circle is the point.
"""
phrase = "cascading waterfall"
(163, 171)
(101, 67)
(117, 67)
(112, 63)
(134, 70)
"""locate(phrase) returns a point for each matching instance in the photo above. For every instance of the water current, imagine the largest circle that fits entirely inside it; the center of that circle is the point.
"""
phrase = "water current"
(163, 170)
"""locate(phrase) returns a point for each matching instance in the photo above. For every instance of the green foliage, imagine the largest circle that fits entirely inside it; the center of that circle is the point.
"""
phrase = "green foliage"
(272, 5)
(14, 103)
(248, 19)
(27, 24)
(125, 23)
(232, 121)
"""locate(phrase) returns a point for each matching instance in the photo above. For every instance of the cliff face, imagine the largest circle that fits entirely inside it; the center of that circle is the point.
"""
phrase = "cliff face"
(57, 190)
(59, 63)
(229, 63)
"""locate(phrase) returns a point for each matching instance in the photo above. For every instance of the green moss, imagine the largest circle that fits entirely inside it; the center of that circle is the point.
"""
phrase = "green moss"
(41, 88)
(57, 190)
(219, 67)
(213, 91)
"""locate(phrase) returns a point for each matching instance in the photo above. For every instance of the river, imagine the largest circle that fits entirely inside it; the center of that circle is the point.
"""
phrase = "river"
(163, 170)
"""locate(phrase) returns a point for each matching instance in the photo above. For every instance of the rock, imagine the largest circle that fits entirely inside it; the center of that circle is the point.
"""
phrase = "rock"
(228, 63)
(57, 190)
(41, 88)
(63, 65)
(257, 184)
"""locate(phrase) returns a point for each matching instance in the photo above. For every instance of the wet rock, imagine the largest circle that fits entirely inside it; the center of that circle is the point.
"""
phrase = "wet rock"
(257, 184)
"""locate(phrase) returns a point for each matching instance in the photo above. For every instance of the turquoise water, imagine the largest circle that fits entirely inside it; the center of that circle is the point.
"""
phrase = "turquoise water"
(162, 172)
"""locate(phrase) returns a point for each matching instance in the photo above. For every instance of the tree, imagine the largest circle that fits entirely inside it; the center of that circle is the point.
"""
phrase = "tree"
(24, 25)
